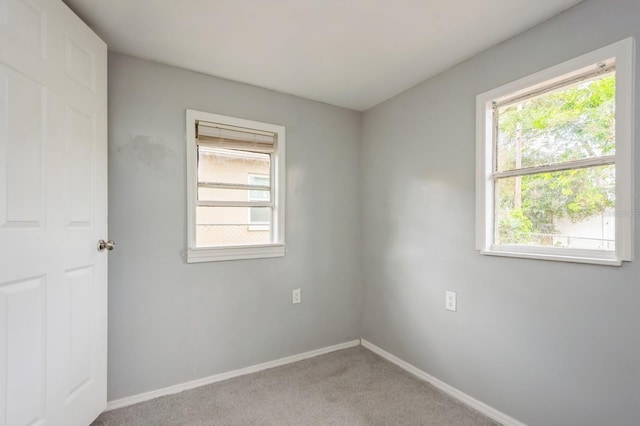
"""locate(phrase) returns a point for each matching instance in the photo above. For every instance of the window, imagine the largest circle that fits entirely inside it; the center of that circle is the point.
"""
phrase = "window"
(235, 187)
(554, 162)
(258, 218)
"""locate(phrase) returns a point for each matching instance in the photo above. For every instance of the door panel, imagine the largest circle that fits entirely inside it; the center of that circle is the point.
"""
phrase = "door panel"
(24, 23)
(80, 64)
(22, 330)
(81, 284)
(80, 166)
(53, 205)
(21, 101)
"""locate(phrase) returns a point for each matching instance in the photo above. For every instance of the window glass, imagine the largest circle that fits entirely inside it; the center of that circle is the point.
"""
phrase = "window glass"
(565, 209)
(574, 123)
(230, 226)
(572, 208)
(235, 188)
(231, 166)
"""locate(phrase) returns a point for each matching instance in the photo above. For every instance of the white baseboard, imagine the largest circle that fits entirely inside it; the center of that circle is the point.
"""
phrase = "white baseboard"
(485, 409)
(135, 399)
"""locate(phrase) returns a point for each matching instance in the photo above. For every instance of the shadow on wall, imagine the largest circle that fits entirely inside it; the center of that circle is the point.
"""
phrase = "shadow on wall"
(151, 153)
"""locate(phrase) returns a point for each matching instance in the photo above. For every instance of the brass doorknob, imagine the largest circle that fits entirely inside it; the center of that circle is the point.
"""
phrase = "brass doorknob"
(106, 245)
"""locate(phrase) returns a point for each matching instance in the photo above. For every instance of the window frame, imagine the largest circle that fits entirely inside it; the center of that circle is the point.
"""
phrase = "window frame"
(277, 247)
(623, 53)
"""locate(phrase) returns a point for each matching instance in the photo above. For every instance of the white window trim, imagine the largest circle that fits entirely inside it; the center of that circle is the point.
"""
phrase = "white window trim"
(277, 247)
(624, 54)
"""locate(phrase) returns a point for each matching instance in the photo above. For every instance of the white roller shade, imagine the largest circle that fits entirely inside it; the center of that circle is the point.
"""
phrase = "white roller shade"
(214, 135)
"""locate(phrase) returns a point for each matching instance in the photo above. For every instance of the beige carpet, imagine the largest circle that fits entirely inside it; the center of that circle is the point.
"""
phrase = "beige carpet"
(349, 387)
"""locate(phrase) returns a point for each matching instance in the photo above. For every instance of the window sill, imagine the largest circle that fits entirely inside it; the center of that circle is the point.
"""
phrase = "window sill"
(218, 254)
(574, 256)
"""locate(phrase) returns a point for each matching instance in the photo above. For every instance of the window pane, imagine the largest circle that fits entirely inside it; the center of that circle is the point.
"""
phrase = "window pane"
(259, 215)
(220, 194)
(255, 195)
(574, 123)
(230, 166)
(231, 226)
(567, 209)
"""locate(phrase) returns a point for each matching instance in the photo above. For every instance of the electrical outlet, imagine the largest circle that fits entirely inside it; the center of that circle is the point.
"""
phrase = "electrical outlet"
(296, 296)
(450, 302)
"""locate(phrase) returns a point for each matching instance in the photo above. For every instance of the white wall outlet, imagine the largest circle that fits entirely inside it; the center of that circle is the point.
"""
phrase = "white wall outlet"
(450, 303)
(296, 296)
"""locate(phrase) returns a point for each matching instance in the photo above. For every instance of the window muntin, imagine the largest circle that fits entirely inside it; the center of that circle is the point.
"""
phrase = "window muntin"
(231, 216)
(555, 162)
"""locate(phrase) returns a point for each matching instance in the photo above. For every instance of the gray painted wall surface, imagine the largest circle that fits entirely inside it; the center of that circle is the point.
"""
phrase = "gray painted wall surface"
(170, 322)
(548, 343)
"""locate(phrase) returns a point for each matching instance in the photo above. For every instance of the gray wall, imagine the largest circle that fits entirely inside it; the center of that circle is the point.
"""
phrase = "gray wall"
(548, 343)
(170, 322)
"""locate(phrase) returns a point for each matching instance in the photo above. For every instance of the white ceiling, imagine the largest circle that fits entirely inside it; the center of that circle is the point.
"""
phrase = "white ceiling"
(350, 53)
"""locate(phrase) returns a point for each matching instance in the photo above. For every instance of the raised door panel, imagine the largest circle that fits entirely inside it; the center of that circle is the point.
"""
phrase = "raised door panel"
(80, 64)
(22, 364)
(24, 38)
(80, 323)
(24, 23)
(21, 141)
(80, 166)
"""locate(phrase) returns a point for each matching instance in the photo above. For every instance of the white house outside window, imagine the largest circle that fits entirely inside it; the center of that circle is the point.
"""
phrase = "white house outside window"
(235, 188)
(259, 218)
(555, 162)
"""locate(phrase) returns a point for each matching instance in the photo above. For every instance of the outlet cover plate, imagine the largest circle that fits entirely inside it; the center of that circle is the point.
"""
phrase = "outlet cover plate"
(450, 303)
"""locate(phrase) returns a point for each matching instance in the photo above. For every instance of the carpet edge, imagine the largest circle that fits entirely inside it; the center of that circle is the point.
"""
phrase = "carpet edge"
(468, 400)
(192, 384)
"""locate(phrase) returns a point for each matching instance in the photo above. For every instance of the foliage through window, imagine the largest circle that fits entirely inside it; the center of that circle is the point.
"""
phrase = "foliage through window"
(556, 169)
(562, 208)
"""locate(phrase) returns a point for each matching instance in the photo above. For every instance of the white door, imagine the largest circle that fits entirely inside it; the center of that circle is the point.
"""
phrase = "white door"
(53, 204)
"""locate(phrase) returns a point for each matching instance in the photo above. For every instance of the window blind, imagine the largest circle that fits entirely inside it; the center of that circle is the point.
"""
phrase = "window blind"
(214, 135)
